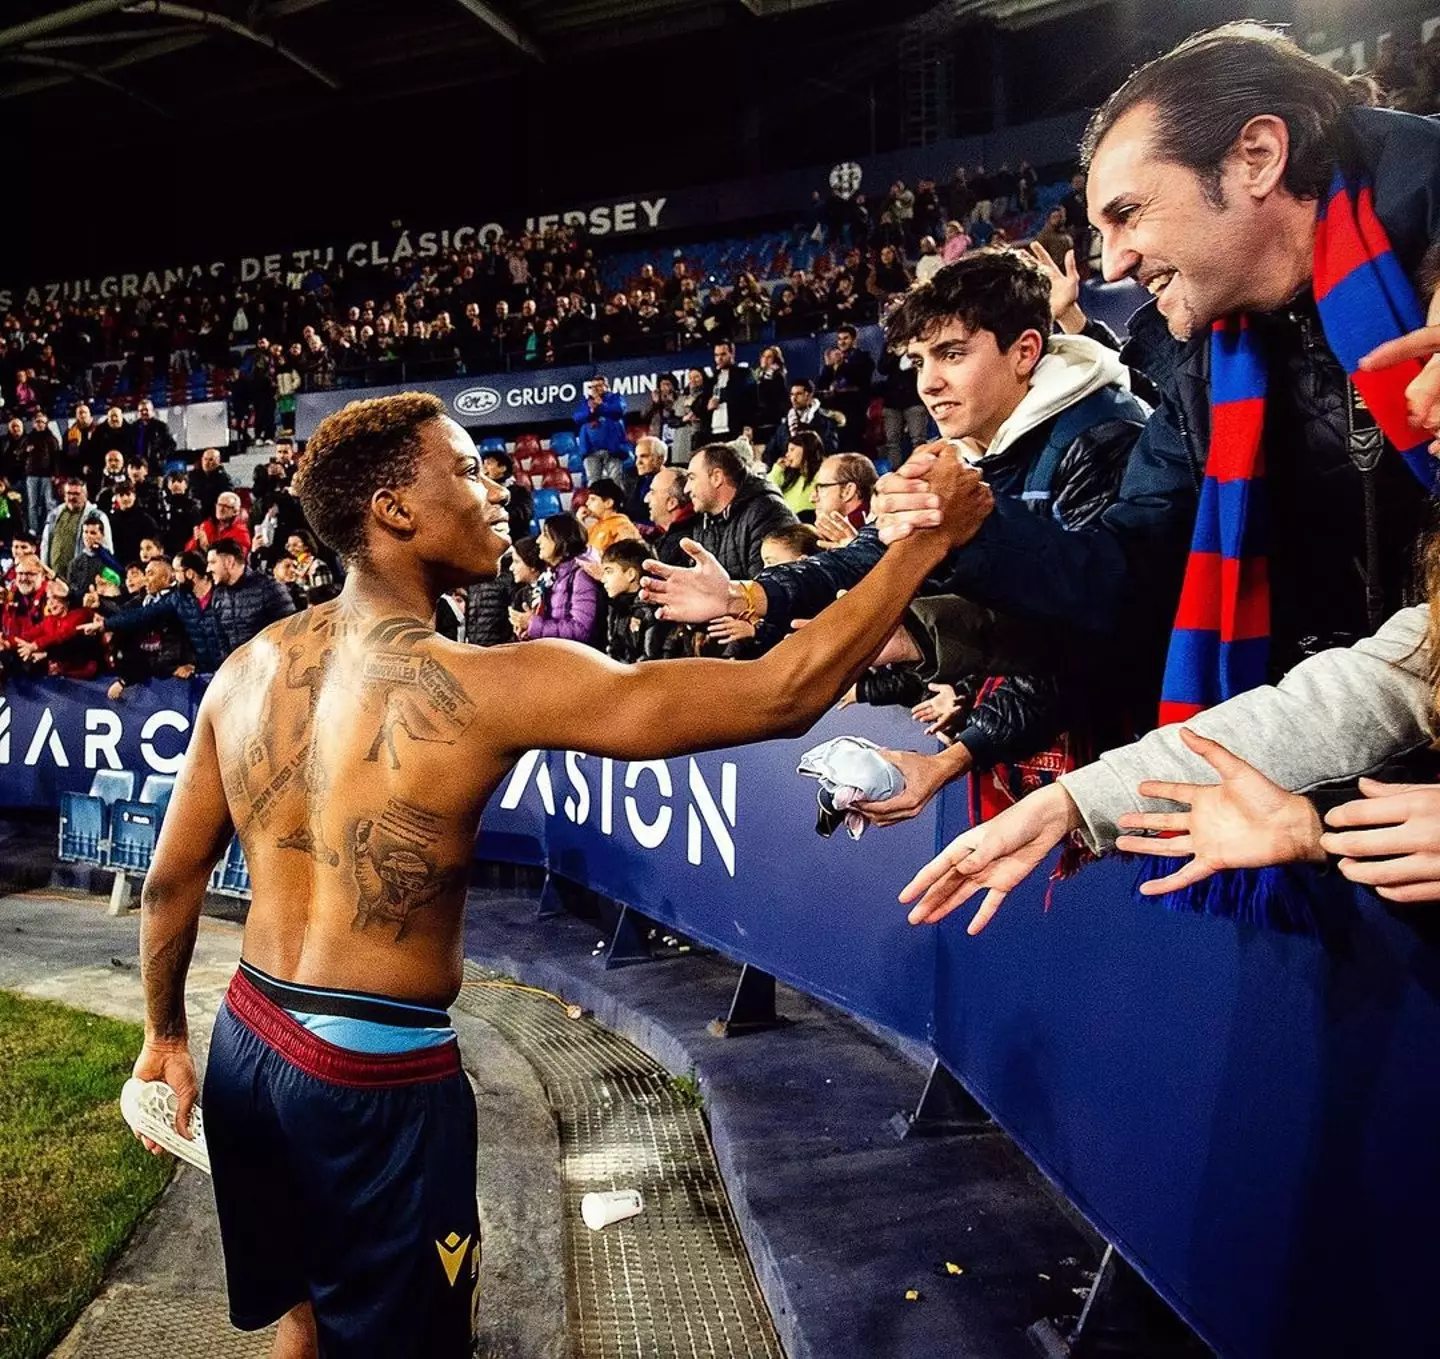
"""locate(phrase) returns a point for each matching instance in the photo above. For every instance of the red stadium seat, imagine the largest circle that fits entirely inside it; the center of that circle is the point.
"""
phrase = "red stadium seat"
(542, 462)
(557, 479)
(578, 499)
(522, 478)
(527, 444)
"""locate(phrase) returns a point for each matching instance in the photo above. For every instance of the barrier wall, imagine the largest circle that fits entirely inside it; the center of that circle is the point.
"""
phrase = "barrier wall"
(1250, 1117)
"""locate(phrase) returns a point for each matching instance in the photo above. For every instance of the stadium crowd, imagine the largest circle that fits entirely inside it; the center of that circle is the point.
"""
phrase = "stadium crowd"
(1108, 570)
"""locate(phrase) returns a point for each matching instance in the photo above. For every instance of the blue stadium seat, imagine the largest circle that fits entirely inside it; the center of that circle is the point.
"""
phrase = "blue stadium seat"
(563, 444)
(492, 445)
(157, 789)
(85, 817)
(547, 502)
(574, 462)
(234, 875)
(134, 827)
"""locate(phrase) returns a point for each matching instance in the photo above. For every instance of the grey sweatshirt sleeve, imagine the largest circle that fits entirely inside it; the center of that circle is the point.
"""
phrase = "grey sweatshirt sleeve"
(1334, 716)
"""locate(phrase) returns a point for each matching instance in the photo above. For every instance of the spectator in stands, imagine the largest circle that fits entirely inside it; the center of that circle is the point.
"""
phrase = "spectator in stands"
(929, 217)
(150, 548)
(157, 639)
(226, 525)
(287, 573)
(244, 602)
(91, 558)
(12, 450)
(77, 457)
(905, 415)
(691, 408)
(1056, 241)
(312, 570)
(844, 385)
(771, 394)
(796, 471)
(526, 569)
(804, 413)
(649, 458)
(520, 505)
(604, 516)
(111, 474)
(151, 437)
(21, 611)
(729, 409)
(632, 631)
(57, 646)
(957, 243)
(843, 490)
(129, 524)
(930, 260)
(600, 420)
(40, 459)
(137, 473)
(180, 513)
(662, 417)
(114, 433)
(569, 604)
(890, 276)
(208, 479)
(672, 513)
(61, 536)
(790, 544)
(737, 508)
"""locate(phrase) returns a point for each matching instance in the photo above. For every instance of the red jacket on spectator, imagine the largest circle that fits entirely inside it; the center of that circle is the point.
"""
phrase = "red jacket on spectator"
(70, 653)
(19, 615)
(237, 530)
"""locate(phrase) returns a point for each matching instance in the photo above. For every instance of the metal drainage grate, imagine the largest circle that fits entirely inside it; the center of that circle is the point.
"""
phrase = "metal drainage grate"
(141, 1323)
(675, 1282)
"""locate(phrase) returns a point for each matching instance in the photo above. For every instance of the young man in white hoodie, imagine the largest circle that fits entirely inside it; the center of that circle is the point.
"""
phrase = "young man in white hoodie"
(1050, 421)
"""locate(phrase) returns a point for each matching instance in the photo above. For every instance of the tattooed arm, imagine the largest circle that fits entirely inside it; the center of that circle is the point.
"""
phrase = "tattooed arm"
(194, 835)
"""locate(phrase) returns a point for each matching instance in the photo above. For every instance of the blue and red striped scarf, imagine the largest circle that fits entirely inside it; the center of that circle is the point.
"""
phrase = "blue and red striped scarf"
(1221, 641)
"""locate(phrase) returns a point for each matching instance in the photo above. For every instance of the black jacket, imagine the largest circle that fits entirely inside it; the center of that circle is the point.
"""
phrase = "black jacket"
(735, 535)
(127, 528)
(487, 611)
(740, 403)
(248, 607)
(179, 514)
(632, 631)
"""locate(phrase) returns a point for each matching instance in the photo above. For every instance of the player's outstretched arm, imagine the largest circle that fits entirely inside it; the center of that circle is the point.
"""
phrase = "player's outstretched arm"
(558, 695)
(195, 832)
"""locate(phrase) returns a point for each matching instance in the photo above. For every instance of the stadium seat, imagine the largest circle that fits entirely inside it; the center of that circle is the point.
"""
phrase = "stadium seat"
(156, 790)
(527, 444)
(575, 462)
(134, 827)
(541, 463)
(557, 480)
(492, 445)
(577, 499)
(547, 502)
(234, 875)
(564, 444)
(85, 817)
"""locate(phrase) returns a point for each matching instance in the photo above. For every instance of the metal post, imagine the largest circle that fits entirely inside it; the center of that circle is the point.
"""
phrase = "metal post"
(629, 943)
(945, 1108)
(121, 894)
(752, 1007)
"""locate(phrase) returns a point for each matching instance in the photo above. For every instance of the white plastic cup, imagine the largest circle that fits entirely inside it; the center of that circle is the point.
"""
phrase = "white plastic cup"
(614, 1205)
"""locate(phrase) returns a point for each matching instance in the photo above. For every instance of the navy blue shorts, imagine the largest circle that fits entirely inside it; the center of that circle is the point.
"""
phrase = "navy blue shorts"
(345, 1179)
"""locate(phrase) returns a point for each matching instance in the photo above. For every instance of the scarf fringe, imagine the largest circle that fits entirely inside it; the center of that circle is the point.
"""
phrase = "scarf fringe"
(1276, 899)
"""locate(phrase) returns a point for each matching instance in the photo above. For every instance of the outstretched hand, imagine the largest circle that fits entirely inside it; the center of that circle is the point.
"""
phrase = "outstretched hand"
(1389, 839)
(998, 854)
(1244, 821)
(688, 594)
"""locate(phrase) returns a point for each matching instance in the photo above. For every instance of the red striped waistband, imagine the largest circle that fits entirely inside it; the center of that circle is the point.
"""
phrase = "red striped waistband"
(326, 1062)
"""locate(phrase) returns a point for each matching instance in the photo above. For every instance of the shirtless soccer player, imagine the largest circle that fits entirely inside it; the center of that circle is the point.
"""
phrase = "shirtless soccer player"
(352, 749)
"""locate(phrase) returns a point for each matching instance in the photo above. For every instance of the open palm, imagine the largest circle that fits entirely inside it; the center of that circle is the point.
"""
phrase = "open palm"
(1244, 821)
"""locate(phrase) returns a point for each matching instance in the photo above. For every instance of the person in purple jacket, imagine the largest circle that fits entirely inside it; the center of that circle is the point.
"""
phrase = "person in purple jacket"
(570, 603)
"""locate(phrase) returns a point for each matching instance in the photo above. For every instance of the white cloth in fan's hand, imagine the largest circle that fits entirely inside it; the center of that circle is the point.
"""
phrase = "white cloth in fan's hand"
(850, 769)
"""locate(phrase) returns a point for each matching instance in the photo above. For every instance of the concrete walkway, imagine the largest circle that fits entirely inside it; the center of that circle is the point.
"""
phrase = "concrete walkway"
(167, 1292)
